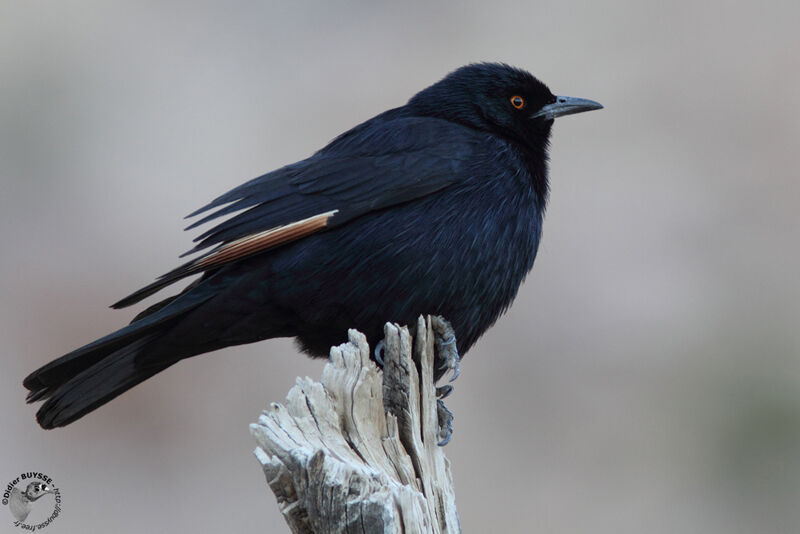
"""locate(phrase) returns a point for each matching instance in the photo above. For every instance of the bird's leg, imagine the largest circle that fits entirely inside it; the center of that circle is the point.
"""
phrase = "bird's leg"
(445, 345)
(444, 341)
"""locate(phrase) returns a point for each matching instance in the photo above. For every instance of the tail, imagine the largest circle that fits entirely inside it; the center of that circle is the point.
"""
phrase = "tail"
(77, 394)
(85, 379)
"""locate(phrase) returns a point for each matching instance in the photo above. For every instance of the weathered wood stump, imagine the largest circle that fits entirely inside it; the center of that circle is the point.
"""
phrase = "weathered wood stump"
(358, 452)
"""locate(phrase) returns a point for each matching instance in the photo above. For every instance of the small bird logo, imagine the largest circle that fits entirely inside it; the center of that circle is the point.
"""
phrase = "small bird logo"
(21, 502)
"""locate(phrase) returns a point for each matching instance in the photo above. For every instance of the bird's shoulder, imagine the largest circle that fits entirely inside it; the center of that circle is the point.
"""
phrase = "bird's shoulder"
(398, 130)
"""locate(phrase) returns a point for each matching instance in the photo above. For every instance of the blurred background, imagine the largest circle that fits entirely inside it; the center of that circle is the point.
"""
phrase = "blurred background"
(646, 378)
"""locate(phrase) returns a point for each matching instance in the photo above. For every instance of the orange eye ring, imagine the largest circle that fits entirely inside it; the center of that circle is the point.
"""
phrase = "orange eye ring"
(517, 101)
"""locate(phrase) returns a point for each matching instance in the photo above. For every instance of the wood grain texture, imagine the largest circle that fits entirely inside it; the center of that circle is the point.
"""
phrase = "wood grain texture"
(357, 452)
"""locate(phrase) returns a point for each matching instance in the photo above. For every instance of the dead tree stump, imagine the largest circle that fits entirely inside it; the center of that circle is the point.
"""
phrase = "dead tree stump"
(358, 452)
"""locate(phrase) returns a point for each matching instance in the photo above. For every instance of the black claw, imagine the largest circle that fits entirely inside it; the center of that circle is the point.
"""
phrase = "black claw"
(445, 423)
(378, 351)
(442, 392)
(447, 353)
(456, 368)
(446, 349)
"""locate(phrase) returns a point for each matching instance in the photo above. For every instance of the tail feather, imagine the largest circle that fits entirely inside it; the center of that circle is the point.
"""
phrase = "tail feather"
(96, 385)
(86, 378)
(44, 381)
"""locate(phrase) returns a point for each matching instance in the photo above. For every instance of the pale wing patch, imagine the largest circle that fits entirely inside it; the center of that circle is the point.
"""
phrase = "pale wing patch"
(251, 244)
(235, 250)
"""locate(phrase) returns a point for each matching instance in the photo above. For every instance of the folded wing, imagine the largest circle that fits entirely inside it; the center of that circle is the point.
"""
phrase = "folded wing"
(364, 170)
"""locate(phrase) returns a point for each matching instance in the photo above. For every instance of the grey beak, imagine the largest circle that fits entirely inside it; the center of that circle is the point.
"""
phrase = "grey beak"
(566, 105)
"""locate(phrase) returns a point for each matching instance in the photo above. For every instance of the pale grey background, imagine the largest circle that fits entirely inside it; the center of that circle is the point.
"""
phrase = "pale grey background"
(647, 379)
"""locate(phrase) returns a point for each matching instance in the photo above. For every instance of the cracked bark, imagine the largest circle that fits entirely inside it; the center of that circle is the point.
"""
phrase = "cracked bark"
(357, 452)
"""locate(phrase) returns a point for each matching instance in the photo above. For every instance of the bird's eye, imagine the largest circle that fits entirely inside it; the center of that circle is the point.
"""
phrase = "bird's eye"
(517, 101)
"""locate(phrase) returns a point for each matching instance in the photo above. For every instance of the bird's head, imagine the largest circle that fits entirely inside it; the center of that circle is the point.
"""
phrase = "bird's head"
(498, 98)
(36, 490)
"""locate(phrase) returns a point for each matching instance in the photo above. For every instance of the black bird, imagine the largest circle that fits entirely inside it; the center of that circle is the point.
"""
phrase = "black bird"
(434, 207)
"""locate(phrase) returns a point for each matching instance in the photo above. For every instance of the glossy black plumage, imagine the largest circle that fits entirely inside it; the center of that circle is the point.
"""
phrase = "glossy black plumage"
(432, 208)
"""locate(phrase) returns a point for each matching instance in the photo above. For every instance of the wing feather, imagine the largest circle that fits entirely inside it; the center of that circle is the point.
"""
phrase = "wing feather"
(381, 163)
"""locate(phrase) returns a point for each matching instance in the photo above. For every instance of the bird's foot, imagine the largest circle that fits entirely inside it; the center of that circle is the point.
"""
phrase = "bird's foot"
(445, 346)
(445, 352)
(445, 423)
(444, 341)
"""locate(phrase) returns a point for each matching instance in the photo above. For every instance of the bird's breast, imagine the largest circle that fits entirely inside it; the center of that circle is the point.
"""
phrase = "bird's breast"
(461, 252)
